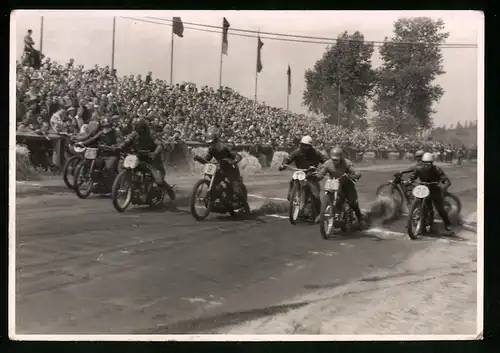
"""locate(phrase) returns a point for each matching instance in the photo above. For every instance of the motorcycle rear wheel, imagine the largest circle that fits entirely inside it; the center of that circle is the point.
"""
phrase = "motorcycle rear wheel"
(194, 200)
(115, 190)
(455, 199)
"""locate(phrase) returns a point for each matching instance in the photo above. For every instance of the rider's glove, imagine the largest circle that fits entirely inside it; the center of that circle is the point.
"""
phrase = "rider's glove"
(398, 175)
(282, 167)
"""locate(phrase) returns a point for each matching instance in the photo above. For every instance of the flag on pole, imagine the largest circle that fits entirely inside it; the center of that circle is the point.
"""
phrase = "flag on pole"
(259, 47)
(178, 26)
(289, 73)
(225, 27)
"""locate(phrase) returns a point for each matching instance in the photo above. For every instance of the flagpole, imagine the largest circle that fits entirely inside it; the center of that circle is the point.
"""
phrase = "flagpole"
(172, 57)
(220, 67)
(287, 88)
(113, 45)
(41, 35)
(256, 68)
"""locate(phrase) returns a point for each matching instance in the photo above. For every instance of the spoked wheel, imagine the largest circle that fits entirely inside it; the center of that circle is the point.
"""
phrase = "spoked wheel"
(393, 193)
(121, 192)
(327, 217)
(83, 180)
(349, 218)
(200, 203)
(453, 202)
(69, 171)
(416, 221)
(295, 205)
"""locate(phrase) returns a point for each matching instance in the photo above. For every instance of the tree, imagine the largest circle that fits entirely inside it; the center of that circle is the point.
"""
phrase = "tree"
(412, 59)
(459, 126)
(346, 64)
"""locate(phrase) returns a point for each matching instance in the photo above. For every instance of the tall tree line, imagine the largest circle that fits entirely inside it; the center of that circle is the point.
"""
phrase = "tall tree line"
(402, 89)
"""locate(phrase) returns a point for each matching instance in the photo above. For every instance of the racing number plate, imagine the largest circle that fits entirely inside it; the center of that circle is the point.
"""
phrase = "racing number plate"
(421, 191)
(91, 153)
(299, 175)
(209, 169)
(332, 185)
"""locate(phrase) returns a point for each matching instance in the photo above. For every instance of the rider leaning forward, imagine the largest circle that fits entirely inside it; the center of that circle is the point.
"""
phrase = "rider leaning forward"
(428, 172)
(337, 166)
(304, 157)
(228, 160)
(143, 139)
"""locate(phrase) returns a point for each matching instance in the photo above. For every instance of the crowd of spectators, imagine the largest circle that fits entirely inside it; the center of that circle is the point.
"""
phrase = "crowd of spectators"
(67, 98)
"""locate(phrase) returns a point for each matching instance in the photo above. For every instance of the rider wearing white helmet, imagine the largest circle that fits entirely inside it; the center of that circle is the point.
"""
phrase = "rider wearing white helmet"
(304, 157)
(428, 172)
(335, 167)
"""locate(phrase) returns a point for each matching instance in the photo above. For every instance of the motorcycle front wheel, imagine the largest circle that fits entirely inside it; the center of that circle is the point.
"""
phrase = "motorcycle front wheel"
(83, 176)
(118, 190)
(416, 223)
(327, 217)
(69, 170)
(196, 200)
(295, 204)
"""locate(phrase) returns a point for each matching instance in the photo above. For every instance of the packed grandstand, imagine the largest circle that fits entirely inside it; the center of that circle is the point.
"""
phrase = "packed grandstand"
(66, 98)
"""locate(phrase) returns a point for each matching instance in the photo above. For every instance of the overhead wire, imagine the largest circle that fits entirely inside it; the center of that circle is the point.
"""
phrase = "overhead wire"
(232, 30)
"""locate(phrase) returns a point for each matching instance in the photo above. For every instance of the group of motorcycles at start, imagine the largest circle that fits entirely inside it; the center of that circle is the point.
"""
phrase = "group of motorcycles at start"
(135, 183)
(341, 217)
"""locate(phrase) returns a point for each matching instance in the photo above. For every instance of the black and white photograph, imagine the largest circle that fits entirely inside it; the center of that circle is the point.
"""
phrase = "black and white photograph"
(246, 175)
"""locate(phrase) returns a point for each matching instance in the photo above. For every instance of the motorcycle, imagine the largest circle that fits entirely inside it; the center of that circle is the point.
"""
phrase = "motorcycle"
(301, 197)
(69, 168)
(421, 214)
(140, 186)
(225, 201)
(88, 172)
(331, 217)
(400, 192)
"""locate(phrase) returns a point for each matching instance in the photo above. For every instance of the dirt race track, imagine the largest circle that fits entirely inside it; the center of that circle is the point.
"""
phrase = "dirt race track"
(82, 267)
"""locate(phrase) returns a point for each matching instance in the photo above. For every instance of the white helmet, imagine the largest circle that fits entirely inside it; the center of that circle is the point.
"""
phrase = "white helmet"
(307, 140)
(427, 157)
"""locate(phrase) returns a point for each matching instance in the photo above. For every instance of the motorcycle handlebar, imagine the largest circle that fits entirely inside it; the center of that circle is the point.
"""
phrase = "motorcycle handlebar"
(301, 170)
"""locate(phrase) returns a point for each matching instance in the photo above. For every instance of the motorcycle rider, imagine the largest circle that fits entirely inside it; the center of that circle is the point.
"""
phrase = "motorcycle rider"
(304, 157)
(106, 136)
(143, 139)
(428, 172)
(228, 160)
(335, 167)
(418, 160)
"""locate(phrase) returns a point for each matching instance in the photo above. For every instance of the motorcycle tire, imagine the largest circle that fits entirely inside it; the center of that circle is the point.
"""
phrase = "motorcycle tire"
(415, 206)
(292, 215)
(327, 202)
(78, 171)
(70, 163)
(396, 211)
(116, 188)
(455, 199)
(193, 201)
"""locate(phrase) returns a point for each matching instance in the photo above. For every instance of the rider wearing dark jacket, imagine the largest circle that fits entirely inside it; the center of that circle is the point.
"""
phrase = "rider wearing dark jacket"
(105, 137)
(335, 168)
(428, 172)
(228, 160)
(304, 157)
(143, 139)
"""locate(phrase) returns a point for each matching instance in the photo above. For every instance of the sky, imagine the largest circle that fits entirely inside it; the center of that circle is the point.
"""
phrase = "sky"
(140, 47)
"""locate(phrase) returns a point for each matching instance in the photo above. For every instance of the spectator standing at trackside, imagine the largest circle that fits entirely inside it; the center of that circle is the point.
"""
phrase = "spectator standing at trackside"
(149, 78)
(28, 42)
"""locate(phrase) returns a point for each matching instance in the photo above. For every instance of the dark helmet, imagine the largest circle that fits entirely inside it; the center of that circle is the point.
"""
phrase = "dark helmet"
(140, 124)
(211, 137)
(336, 154)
